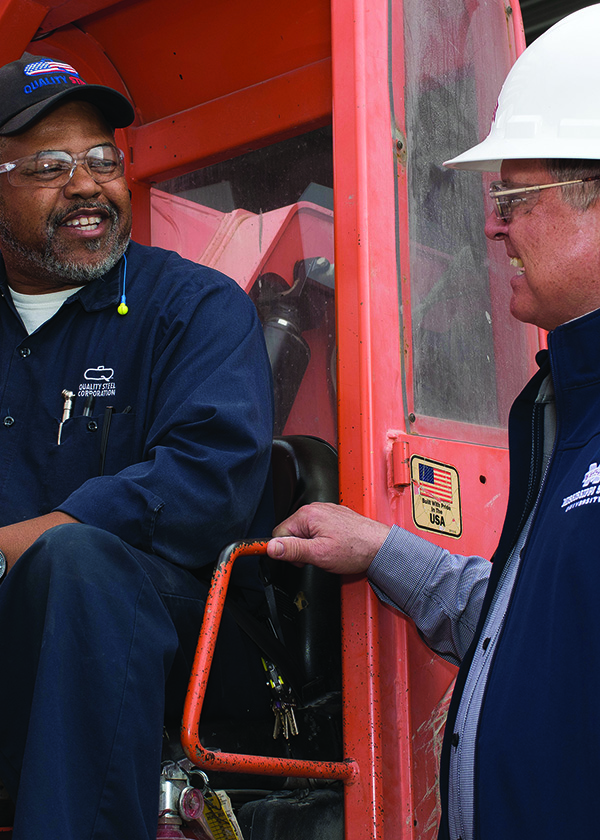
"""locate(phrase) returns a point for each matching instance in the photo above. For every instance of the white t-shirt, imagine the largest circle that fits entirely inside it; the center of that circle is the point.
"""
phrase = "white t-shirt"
(35, 310)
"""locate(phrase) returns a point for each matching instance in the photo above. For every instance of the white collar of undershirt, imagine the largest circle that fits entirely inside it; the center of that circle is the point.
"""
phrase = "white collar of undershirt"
(35, 310)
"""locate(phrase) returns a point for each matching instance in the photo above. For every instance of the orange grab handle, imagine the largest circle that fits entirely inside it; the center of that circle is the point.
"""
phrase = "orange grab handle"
(346, 770)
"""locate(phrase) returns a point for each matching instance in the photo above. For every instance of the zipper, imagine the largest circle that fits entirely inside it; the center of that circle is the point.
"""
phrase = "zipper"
(532, 504)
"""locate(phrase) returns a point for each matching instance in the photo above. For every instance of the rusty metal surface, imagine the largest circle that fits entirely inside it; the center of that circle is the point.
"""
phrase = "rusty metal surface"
(346, 770)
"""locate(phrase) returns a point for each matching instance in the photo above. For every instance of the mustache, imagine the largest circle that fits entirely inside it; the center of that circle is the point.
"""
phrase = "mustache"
(58, 217)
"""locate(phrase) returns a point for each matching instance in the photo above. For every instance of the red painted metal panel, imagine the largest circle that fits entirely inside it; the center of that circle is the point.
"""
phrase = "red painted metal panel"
(365, 262)
(63, 12)
(19, 20)
(210, 131)
(178, 55)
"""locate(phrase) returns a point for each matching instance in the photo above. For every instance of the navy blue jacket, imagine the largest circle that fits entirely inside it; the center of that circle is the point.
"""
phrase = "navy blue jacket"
(187, 374)
(538, 746)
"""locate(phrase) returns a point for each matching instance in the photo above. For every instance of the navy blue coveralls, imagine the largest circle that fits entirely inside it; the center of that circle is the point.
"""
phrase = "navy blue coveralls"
(96, 618)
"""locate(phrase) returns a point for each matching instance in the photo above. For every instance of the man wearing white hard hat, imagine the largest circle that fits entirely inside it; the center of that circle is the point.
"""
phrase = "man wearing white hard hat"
(521, 753)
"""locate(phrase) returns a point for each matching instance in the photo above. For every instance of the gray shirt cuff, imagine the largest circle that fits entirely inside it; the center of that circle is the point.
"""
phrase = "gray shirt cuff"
(441, 592)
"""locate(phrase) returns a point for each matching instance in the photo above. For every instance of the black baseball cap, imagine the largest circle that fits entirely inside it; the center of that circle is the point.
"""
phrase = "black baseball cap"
(34, 85)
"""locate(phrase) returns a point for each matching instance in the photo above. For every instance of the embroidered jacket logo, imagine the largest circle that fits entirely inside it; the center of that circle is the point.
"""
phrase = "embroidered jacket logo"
(99, 382)
(590, 490)
(100, 373)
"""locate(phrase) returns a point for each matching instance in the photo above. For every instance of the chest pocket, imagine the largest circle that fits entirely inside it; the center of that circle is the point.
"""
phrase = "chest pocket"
(89, 447)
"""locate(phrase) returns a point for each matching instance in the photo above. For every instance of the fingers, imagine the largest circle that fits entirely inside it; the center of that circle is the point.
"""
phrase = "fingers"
(308, 521)
(332, 537)
(290, 549)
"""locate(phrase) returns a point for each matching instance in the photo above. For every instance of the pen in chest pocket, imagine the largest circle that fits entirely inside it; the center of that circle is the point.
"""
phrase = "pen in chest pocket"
(88, 407)
(108, 413)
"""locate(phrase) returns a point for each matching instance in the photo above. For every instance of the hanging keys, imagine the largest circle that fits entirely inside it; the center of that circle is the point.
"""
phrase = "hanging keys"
(291, 719)
(286, 727)
(283, 703)
(278, 727)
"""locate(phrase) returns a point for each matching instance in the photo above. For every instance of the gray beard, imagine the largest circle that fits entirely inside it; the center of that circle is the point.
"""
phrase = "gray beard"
(59, 270)
(66, 270)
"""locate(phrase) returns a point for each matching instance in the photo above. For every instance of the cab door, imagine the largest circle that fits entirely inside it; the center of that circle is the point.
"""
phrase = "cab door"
(429, 357)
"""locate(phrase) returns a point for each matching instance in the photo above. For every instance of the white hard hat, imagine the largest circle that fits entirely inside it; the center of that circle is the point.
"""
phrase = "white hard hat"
(549, 105)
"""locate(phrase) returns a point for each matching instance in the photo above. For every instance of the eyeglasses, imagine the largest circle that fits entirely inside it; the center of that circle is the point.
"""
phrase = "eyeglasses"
(55, 169)
(506, 200)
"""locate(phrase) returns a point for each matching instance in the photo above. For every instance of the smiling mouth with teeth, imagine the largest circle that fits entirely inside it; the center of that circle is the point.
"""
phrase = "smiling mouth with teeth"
(517, 262)
(84, 222)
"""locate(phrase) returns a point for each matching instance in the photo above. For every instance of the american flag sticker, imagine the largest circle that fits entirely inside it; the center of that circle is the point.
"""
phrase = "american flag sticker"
(434, 482)
(435, 496)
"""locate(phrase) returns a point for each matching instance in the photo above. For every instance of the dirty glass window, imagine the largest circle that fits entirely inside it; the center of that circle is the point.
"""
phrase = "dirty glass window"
(265, 218)
(469, 357)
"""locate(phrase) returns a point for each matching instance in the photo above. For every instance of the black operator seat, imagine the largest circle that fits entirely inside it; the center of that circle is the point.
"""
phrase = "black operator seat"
(305, 470)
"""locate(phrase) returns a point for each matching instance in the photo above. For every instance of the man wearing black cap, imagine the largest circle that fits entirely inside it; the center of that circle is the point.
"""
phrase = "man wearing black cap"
(135, 434)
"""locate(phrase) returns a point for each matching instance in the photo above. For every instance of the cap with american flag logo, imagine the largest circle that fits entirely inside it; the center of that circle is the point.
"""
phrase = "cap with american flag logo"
(34, 85)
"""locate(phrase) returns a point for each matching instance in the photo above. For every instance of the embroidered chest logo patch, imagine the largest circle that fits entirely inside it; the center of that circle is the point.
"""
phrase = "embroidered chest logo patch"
(589, 493)
(98, 382)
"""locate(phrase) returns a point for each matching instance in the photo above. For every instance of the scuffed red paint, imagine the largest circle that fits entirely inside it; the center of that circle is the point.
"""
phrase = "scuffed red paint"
(427, 748)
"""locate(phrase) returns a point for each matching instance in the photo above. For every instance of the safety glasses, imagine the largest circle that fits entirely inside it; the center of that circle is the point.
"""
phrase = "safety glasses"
(505, 200)
(55, 169)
